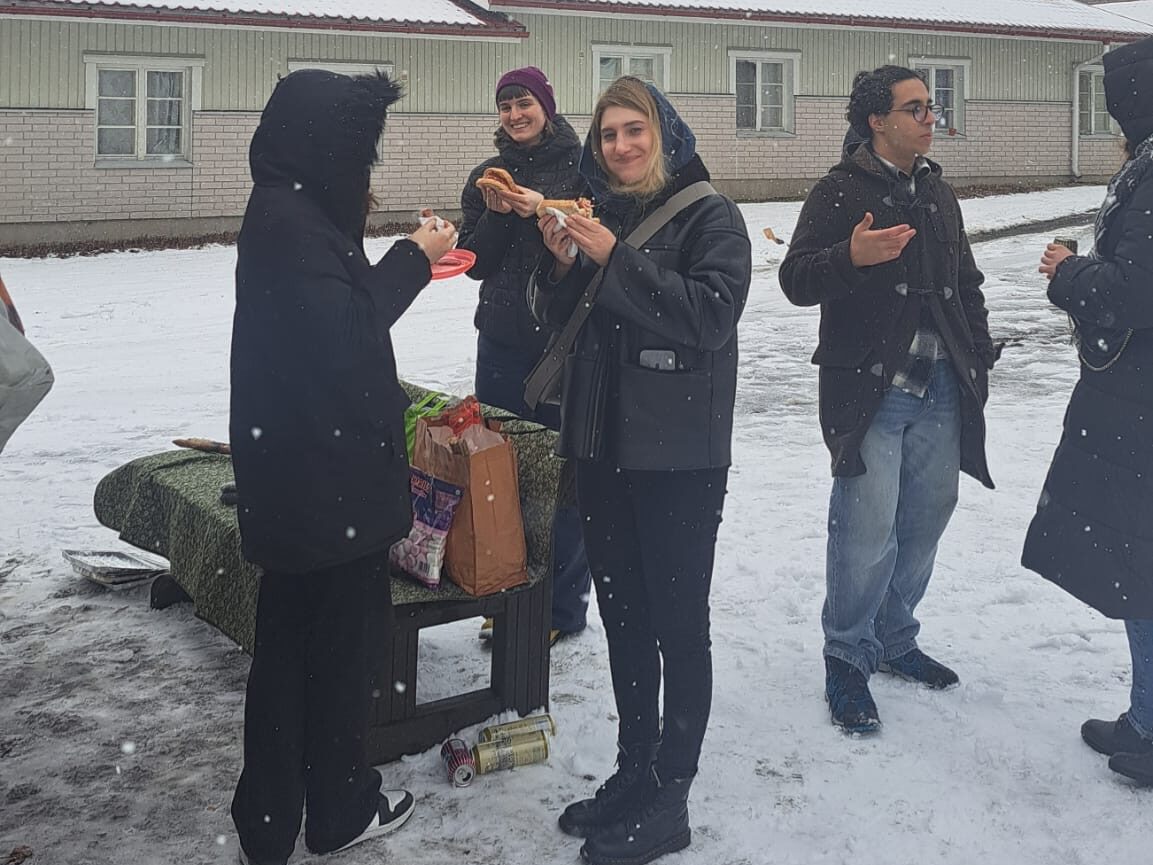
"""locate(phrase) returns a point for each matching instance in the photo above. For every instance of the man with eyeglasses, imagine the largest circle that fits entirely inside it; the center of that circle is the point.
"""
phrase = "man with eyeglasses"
(904, 355)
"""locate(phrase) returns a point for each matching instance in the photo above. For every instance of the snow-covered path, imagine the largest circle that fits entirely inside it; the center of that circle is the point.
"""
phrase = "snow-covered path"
(120, 727)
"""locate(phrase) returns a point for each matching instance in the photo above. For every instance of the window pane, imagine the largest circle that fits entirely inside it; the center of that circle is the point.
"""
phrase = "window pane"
(116, 82)
(773, 118)
(1101, 122)
(773, 96)
(643, 68)
(163, 142)
(162, 85)
(610, 70)
(164, 112)
(944, 78)
(746, 73)
(746, 116)
(115, 142)
(772, 73)
(116, 112)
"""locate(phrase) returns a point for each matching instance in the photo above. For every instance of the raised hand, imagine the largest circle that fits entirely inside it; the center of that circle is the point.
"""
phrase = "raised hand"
(1053, 255)
(592, 238)
(558, 242)
(434, 242)
(523, 203)
(868, 246)
(494, 201)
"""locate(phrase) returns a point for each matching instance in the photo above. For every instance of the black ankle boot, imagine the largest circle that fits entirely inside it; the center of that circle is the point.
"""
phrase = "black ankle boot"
(619, 794)
(659, 826)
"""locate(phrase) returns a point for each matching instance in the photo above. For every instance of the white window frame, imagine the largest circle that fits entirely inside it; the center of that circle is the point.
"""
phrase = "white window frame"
(964, 66)
(141, 65)
(629, 52)
(1094, 72)
(791, 62)
(343, 68)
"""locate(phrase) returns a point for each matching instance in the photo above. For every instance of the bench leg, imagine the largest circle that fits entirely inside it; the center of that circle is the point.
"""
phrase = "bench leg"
(165, 592)
(520, 654)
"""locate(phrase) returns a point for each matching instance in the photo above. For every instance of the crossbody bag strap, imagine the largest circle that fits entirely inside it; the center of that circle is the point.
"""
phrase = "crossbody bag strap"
(552, 363)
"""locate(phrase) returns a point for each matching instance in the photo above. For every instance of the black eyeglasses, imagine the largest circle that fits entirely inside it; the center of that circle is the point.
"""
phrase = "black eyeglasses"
(919, 112)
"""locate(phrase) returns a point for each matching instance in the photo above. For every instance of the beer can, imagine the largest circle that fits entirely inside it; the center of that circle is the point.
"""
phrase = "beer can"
(458, 762)
(531, 724)
(1067, 242)
(520, 750)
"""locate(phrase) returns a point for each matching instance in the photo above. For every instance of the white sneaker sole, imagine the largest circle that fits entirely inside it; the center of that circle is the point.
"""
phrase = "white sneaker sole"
(375, 829)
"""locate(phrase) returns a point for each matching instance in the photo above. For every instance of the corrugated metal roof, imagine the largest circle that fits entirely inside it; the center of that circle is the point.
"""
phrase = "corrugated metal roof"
(1138, 10)
(1041, 15)
(436, 13)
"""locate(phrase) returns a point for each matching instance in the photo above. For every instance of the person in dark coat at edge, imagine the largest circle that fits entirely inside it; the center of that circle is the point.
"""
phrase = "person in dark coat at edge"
(1092, 534)
(904, 355)
(540, 150)
(647, 413)
(318, 449)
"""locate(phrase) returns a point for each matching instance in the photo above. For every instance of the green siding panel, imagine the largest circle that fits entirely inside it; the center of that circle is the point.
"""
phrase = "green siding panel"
(41, 62)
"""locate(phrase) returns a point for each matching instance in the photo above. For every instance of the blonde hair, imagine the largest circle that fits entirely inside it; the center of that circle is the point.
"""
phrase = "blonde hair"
(631, 93)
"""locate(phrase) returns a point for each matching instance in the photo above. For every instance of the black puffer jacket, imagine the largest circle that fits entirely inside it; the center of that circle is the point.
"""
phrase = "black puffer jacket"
(681, 296)
(507, 246)
(1093, 531)
(870, 315)
(317, 426)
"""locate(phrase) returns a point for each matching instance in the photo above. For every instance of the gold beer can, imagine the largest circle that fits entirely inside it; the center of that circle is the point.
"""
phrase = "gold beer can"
(520, 750)
(531, 724)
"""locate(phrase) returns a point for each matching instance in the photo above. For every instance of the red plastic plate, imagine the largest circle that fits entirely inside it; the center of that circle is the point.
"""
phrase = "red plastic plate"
(453, 262)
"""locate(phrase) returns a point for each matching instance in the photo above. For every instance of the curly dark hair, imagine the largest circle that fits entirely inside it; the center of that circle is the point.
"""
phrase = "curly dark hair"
(873, 94)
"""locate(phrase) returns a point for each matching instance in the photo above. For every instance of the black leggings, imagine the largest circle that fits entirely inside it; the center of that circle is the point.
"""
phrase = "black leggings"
(307, 711)
(650, 538)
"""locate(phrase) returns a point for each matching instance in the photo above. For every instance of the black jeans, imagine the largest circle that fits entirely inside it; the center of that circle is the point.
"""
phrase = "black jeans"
(650, 538)
(500, 374)
(307, 711)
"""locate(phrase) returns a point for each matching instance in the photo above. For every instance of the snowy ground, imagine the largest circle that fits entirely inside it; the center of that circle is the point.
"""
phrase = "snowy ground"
(120, 726)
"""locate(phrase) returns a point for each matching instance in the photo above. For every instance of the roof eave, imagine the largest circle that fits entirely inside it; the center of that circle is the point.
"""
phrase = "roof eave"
(746, 15)
(146, 14)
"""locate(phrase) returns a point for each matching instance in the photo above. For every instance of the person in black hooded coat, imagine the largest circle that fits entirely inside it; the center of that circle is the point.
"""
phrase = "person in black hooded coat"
(647, 413)
(318, 450)
(1092, 534)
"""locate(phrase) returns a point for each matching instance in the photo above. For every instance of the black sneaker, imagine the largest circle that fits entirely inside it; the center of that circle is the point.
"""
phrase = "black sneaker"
(1115, 737)
(850, 703)
(916, 666)
(392, 812)
(1139, 767)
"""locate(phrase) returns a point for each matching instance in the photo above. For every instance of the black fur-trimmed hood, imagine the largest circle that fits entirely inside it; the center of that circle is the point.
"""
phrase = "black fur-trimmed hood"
(319, 133)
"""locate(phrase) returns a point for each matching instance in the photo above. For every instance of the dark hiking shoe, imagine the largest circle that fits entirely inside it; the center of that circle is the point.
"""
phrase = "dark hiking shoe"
(622, 792)
(1114, 737)
(1139, 767)
(916, 666)
(850, 703)
(659, 825)
(392, 812)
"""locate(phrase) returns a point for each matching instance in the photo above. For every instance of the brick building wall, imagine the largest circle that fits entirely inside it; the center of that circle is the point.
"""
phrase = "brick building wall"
(49, 185)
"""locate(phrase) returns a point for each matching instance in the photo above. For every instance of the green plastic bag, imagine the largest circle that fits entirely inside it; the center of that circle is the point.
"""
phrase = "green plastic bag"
(431, 403)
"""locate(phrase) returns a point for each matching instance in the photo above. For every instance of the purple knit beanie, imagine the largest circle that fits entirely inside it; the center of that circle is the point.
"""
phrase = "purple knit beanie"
(535, 82)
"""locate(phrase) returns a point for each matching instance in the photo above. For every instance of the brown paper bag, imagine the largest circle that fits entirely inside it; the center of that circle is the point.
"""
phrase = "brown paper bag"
(485, 552)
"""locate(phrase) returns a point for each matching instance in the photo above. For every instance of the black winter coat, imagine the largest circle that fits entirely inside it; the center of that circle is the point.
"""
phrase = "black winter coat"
(870, 315)
(508, 246)
(681, 296)
(1093, 530)
(317, 426)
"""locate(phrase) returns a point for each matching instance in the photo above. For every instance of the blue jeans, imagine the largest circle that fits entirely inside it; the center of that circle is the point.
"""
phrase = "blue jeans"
(500, 374)
(1140, 633)
(884, 525)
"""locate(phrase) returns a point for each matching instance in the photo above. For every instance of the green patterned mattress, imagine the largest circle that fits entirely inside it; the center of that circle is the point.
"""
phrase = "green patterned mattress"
(169, 504)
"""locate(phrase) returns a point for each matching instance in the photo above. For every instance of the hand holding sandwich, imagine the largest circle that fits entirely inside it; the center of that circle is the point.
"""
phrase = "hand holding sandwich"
(502, 194)
(580, 229)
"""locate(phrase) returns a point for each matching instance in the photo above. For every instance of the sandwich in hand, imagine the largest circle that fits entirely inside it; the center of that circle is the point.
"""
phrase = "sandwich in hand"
(562, 207)
(498, 180)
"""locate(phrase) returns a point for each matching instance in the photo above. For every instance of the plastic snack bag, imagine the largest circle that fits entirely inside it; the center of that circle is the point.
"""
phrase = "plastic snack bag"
(434, 503)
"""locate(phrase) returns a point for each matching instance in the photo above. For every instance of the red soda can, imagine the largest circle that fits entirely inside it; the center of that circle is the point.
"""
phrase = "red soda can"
(458, 762)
